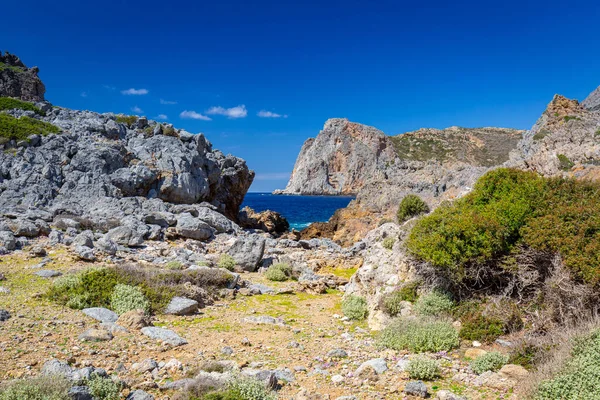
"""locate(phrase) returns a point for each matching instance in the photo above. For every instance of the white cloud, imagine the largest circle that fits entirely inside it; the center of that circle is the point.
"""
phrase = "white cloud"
(109, 87)
(167, 102)
(162, 117)
(194, 115)
(134, 92)
(233, 112)
(137, 110)
(84, 94)
(272, 176)
(270, 114)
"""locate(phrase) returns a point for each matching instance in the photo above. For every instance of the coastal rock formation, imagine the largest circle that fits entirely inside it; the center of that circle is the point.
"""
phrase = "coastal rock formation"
(592, 102)
(16, 80)
(268, 221)
(339, 160)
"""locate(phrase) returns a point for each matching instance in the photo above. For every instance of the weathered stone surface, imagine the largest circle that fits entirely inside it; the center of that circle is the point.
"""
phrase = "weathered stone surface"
(80, 393)
(4, 315)
(56, 367)
(378, 364)
(268, 221)
(181, 306)
(96, 335)
(190, 227)
(592, 102)
(101, 314)
(19, 81)
(164, 335)
(85, 253)
(48, 273)
(416, 388)
(473, 353)
(139, 395)
(7, 240)
(248, 251)
(264, 320)
(514, 371)
(134, 319)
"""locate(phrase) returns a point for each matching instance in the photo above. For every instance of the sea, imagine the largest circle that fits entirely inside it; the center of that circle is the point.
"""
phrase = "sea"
(300, 211)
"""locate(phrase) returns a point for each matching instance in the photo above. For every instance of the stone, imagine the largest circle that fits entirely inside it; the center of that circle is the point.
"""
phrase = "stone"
(56, 367)
(447, 395)
(125, 236)
(337, 379)
(164, 335)
(173, 365)
(181, 306)
(193, 228)
(228, 351)
(378, 364)
(37, 251)
(107, 246)
(4, 315)
(134, 319)
(80, 393)
(101, 314)
(514, 371)
(248, 251)
(145, 366)
(264, 320)
(416, 388)
(85, 238)
(48, 273)
(337, 353)
(85, 253)
(473, 353)
(4, 290)
(7, 240)
(20, 82)
(95, 335)
(268, 221)
(139, 395)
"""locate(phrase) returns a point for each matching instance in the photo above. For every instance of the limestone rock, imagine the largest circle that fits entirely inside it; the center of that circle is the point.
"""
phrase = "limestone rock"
(248, 251)
(514, 371)
(139, 395)
(48, 273)
(473, 353)
(268, 221)
(164, 335)
(134, 319)
(96, 335)
(101, 314)
(181, 306)
(416, 388)
(19, 81)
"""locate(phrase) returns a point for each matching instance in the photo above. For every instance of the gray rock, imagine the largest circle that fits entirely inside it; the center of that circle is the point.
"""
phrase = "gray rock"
(378, 364)
(4, 315)
(139, 395)
(57, 367)
(164, 335)
(85, 253)
(416, 388)
(7, 240)
(24, 227)
(228, 351)
(145, 366)
(182, 306)
(264, 320)
(261, 289)
(125, 236)
(101, 314)
(80, 393)
(4, 290)
(447, 395)
(182, 383)
(19, 81)
(48, 273)
(193, 228)
(95, 335)
(592, 102)
(85, 238)
(56, 237)
(248, 251)
(337, 353)
(107, 246)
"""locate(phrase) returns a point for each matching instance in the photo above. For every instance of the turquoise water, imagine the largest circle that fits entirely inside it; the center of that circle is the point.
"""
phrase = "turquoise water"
(300, 211)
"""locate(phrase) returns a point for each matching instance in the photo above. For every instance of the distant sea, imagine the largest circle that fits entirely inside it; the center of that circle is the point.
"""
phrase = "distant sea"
(300, 211)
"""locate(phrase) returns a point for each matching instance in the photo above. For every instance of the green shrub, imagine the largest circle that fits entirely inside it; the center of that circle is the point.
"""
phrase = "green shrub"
(564, 162)
(21, 128)
(126, 298)
(524, 355)
(355, 307)
(579, 377)
(391, 303)
(423, 368)
(479, 327)
(492, 361)
(90, 288)
(434, 303)
(388, 243)
(103, 388)
(410, 206)
(8, 103)
(250, 389)
(568, 118)
(126, 119)
(279, 272)
(419, 336)
(176, 265)
(227, 262)
(39, 388)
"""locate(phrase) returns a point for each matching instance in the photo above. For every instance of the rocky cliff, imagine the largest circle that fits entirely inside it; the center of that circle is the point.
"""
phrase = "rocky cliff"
(339, 160)
(16, 80)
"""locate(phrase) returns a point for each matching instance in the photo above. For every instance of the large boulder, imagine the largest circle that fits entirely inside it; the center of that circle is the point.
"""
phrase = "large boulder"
(268, 221)
(190, 227)
(248, 251)
(125, 236)
(19, 81)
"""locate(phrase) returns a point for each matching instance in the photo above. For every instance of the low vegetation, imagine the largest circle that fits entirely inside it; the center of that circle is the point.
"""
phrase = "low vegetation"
(423, 368)
(492, 361)
(565, 163)
(391, 303)
(279, 272)
(434, 304)
(103, 388)
(411, 206)
(12, 128)
(8, 103)
(227, 262)
(38, 388)
(126, 119)
(241, 388)
(388, 243)
(419, 336)
(125, 298)
(355, 307)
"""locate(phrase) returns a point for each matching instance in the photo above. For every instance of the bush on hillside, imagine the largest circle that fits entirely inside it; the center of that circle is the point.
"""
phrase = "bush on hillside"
(492, 361)
(355, 307)
(8, 103)
(423, 368)
(391, 303)
(126, 119)
(411, 206)
(388, 243)
(12, 128)
(103, 388)
(227, 262)
(44, 387)
(125, 298)
(279, 272)
(419, 336)
(434, 303)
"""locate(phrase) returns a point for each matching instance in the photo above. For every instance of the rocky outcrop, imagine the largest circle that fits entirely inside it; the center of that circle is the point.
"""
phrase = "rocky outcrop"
(16, 80)
(339, 160)
(592, 102)
(268, 221)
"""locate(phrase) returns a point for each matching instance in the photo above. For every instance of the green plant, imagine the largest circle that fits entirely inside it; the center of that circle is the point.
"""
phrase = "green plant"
(8, 103)
(568, 118)
(250, 389)
(524, 355)
(479, 327)
(541, 134)
(176, 265)
(424, 368)
(126, 298)
(410, 206)
(279, 272)
(128, 120)
(419, 336)
(44, 387)
(391, 303)
(12, 128)
(434, 303)
(103, 388)
(564, 162)
(227, 262)
(13, 68)
(355, 307)
(168, 130)
(492, 361)
(388, 243)
(91, 288)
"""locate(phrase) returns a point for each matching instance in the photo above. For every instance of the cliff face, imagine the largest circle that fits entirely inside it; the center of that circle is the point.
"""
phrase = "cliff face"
(16, 80)
(339, 160)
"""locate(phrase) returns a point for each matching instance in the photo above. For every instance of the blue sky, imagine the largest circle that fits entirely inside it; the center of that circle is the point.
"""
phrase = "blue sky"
(395, 65)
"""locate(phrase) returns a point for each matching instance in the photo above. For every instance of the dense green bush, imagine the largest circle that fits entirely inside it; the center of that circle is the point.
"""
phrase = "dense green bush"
(479, 327)
(126, 119)
(21, 128)
(355, 307)
(174, 265)
(8, 103)
(126, 298)
(388, 243)
(103, 388)
(410, 206)
(227, 262)
(423, 368)
(434, 303)
(419, 336)
(279, 272)
(564, 162)
(579, 378)
(391, 303)
(38, 388)
(250, 389)
(508, 208)
(492, 361)
(90, 288)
